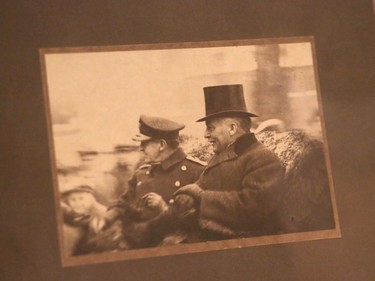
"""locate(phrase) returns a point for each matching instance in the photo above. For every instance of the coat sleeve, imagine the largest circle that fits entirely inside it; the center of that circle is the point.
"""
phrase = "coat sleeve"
(250, 204)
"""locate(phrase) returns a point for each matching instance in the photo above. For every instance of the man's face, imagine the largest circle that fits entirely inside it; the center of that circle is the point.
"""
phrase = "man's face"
(151, 148)
(81, 202)
(218, 133)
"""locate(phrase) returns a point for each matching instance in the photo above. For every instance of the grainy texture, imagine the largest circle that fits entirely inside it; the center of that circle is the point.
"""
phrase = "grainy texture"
(344, 34)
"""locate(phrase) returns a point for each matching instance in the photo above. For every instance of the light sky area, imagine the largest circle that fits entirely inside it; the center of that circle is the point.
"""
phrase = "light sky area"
(96, 98)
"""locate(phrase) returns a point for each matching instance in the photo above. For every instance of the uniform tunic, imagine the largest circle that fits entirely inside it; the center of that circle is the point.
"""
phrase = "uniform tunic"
(242, 190)
(164, 179)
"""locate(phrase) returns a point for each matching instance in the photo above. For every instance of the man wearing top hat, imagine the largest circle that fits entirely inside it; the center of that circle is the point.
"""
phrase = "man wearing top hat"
(239, 191)
(167, 168)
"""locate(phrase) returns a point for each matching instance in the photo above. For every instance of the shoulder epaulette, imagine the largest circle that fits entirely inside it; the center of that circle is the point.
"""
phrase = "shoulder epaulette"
(196, 160)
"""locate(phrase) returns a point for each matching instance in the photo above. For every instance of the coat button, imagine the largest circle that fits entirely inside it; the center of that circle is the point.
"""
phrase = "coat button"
(171, 201)
(139, 183)
(183, 168)
(177, 183)
(147, 172)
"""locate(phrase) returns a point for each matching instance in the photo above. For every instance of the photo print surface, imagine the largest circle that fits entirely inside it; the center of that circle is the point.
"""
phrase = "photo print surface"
(177, 148)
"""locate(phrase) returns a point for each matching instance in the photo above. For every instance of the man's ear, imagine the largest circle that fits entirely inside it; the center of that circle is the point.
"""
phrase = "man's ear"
(233, 127)
(163, 145)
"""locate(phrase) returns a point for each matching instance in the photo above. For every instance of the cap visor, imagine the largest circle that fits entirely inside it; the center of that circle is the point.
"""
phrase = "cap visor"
(140, 137)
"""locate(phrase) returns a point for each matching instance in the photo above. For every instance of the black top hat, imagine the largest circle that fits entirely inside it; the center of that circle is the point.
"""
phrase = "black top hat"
(151, 127)
(225, 100)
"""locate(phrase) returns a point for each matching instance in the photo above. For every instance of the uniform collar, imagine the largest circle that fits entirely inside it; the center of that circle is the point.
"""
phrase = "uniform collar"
(233, 150)
(173, 159)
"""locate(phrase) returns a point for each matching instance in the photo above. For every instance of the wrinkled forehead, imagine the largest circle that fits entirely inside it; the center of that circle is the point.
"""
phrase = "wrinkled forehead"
(218, 121)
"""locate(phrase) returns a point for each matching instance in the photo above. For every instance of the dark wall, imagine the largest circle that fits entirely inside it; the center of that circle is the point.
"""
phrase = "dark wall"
(344, 34)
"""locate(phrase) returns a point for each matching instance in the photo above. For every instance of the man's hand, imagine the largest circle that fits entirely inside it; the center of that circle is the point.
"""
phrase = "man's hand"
(184, 206)
(97, 224)
(192, 190)
(155, 201)
(72, 218)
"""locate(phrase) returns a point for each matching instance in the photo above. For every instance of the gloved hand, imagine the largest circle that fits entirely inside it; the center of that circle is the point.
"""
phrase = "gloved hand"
(155, 201)
(191, 189)
(184, 206)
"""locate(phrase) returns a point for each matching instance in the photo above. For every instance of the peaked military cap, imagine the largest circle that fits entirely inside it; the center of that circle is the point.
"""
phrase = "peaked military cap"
(224, 100)
(151, 127)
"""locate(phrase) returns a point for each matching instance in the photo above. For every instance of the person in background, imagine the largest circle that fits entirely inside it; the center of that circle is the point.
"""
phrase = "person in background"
(93, 172)
(127, 160)
(239, 191)
(79, 209)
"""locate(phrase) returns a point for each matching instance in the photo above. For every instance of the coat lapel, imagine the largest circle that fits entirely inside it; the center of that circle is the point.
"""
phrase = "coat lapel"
(226, 155)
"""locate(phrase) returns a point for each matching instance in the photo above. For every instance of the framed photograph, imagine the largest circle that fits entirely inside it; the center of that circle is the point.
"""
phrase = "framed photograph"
(265, 180)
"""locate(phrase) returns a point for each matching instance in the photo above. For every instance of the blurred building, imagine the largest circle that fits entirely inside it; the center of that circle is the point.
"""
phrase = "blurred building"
(282, 86)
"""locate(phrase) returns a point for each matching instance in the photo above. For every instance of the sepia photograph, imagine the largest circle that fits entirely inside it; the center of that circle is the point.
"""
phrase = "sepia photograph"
(167, 149)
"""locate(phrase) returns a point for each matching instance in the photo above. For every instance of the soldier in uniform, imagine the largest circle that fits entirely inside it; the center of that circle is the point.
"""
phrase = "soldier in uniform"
(167, 167)
(165, 170)
(239, 191)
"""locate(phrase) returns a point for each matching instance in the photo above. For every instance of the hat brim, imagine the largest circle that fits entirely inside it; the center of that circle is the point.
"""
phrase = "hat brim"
(75, 190)
(141, 137)
(228, 113)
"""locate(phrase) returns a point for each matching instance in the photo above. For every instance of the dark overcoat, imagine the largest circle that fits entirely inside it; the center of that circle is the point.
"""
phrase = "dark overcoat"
(242, 190)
